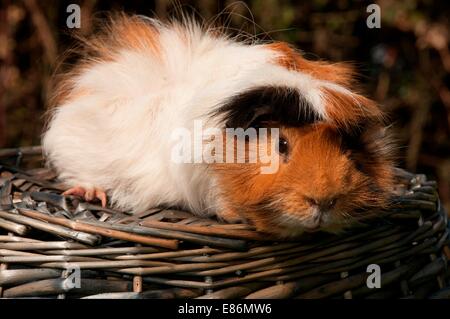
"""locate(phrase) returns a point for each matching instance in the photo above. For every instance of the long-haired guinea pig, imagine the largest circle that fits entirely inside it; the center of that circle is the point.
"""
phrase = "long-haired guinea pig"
(110, 133)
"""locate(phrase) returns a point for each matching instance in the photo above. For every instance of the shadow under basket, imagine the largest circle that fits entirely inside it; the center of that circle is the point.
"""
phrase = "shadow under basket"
(54, 246)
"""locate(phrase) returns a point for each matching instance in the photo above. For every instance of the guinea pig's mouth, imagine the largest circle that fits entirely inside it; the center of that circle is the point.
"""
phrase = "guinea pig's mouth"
(310, 221)
(307, 220)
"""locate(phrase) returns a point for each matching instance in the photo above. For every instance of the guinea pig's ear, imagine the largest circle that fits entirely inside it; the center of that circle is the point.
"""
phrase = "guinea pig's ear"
(360, 136)
(282, 105)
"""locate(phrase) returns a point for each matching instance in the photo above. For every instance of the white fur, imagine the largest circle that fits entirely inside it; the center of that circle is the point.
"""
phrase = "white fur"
(117, 136)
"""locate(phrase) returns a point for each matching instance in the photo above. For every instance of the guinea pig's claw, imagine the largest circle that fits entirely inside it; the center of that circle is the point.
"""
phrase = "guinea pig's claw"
(89, 195)
(230, 217)
(101, 195)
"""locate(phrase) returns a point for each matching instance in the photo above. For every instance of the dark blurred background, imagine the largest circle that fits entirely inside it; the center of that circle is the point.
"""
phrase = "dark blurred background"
(405, 64)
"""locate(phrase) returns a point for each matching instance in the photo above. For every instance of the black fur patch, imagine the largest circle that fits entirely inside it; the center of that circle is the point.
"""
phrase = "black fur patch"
(362, 141)
(282, 105)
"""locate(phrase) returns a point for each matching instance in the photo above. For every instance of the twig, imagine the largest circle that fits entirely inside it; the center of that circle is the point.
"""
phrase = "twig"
(13, 227)
(104, 251)
(53, 229)
(101, 264)
(178, 235)
(170, 254)
(210, 230)
(171, 269)
(80, 226)
(28, 150)
(19, 276)
(43, 245)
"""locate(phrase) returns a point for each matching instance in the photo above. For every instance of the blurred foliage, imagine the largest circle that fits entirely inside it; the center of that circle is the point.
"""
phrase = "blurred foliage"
(404, 65)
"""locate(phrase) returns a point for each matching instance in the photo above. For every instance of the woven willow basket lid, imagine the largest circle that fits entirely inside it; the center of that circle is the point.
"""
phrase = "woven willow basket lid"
(45, 238)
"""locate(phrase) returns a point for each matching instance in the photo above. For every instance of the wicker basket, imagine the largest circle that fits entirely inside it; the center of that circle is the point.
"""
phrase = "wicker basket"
(46, 238)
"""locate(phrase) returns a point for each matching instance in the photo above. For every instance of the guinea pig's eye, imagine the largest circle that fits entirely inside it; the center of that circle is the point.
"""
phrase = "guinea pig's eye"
(359, 166)
(283, 146)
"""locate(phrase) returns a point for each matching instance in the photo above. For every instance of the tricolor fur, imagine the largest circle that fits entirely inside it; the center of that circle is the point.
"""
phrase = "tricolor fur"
(140, 79)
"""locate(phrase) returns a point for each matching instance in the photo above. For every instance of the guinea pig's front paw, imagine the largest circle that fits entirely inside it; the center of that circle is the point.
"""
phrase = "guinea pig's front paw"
(231, 217)
(88, 194)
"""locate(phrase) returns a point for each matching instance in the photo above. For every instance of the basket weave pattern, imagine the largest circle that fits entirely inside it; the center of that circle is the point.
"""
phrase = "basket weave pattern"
(167, 253)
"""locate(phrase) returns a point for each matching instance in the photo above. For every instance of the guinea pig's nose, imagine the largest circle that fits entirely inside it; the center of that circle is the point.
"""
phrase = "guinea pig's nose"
(323, 204)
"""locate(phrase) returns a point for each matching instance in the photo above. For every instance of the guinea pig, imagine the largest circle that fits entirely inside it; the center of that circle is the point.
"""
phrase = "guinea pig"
(110, 130)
